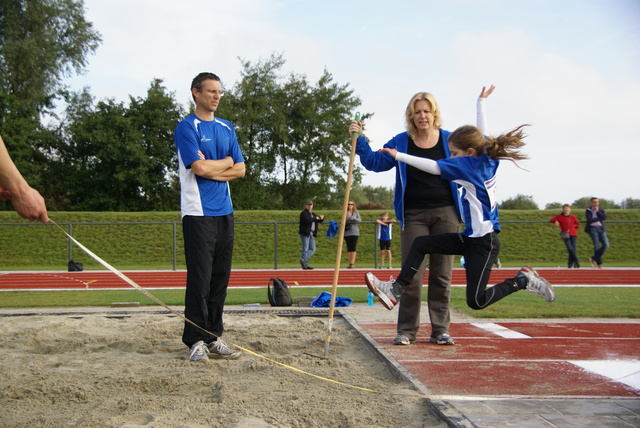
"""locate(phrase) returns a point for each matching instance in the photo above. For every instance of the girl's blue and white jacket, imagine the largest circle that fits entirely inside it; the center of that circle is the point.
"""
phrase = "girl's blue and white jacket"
(476, 178)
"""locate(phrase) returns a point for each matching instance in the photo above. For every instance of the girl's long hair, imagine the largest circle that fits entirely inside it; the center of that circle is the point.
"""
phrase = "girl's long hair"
(505, 146)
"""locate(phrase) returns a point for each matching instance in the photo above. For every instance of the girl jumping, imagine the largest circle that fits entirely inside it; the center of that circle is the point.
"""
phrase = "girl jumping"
(472, 166)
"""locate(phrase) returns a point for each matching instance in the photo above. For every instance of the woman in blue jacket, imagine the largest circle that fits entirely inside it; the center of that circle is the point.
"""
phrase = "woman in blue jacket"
(424, 204)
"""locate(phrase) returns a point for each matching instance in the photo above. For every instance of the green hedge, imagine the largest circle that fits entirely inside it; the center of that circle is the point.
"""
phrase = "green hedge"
(527, 237)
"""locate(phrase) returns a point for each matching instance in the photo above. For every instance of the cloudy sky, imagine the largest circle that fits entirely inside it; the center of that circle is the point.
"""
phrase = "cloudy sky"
(571, 68)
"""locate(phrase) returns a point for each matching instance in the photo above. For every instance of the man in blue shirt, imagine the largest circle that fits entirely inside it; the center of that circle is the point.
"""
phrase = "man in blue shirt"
(209, 157)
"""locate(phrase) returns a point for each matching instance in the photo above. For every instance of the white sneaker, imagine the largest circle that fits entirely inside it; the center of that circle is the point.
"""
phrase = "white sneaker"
(382, 289)
(442, 339)
(198, 352)
(536, 284)
(401, 339)
(219, 349)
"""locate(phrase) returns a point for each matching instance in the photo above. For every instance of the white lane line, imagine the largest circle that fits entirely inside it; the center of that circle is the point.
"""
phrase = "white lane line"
(500, 330)
(623, 371)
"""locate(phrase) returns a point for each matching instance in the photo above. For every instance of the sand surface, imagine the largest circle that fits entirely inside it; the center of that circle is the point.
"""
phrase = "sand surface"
(113, 369)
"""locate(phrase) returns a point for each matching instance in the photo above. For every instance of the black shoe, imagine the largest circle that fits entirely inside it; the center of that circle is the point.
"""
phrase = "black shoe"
(303, 264)
(576, 265)
(309, 268)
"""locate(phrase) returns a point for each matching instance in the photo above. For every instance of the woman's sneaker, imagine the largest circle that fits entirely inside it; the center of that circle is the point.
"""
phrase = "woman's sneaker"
(219, 349)
(442, 339)
(401, 339)
(536, 284)
(382, 289)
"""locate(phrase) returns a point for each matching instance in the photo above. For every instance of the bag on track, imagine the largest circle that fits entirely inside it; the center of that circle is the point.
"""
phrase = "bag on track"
(75, 266)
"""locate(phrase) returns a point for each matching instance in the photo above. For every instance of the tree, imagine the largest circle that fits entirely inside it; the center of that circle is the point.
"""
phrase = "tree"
(630, 204)
(378, 196)
(293, 136)
(520, 202)
(156, 117)
(553, 206)
(116, 157)
(41, 42)
(585, 202)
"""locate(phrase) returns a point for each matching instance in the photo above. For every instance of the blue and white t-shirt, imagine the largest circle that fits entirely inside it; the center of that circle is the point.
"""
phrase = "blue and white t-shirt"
(216, 139)
(384, 232)
(476, 180)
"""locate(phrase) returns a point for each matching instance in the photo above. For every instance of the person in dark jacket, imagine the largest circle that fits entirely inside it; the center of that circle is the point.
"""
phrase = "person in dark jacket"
(568, 225)
(307, 230)
(598, 232)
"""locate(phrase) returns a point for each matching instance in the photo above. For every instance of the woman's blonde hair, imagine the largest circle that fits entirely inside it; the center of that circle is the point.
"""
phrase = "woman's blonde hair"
(505, 146)
(411, 109)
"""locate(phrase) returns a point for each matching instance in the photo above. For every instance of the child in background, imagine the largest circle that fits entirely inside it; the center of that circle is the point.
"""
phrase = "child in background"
(384, 236)
(472, 166)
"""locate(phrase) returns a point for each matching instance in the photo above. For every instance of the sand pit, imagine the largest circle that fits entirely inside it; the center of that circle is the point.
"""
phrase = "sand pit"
(115, 369)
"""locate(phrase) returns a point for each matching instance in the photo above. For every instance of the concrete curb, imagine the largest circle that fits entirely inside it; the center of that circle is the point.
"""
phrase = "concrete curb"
(440, 408)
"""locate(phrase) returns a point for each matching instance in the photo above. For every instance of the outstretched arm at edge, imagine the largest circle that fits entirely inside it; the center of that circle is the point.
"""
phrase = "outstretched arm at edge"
(26, 200)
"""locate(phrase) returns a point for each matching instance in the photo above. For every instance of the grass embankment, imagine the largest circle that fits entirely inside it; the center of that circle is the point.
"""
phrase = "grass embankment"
(531, 240)
(128, 247)
(618, 302)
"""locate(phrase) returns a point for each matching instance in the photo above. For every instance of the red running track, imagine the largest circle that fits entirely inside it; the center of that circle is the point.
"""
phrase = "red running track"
(481, 363)
(61, 280)
(547, 358)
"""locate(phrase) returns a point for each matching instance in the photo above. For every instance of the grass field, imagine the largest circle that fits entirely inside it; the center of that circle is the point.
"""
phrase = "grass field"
(571, 302)
(527, 237)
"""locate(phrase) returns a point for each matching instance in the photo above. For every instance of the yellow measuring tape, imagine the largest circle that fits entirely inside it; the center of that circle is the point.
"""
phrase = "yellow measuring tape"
(248, 351)
(160, 302)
